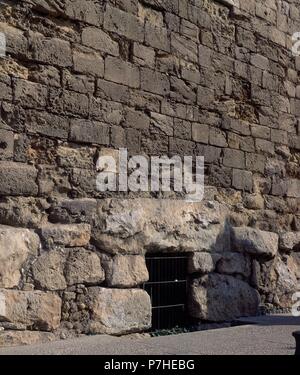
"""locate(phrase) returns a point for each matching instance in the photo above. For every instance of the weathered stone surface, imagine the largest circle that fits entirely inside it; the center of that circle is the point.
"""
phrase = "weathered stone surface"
(18, 179)
(30, 94)
(295, 257)
(123, 23)
(126, 271)
(79, 83)
(88, 62)
(75, 157)
(158, 77)
(98, 39)
(48, 271)
(119, 311)
(83, 267)
(242, 180)
(202, 262)
(254, 241)
(54, 51)
(6, 144)
(16, 246)
(144, 56)
(70, 211)
(234, 264)
(37, 310)
(157, 37)
(220, 298)
(287, 283)
(119, 71)
(18, 338)
(89, 132)
(23, 212)
(163, 123)
(184, 47)
(47, 124)
(87, 11)
(289, 241)
(293, 188)
(200, 133)
(72, 235)
(263, 276)
(154, 82)
(140, 225)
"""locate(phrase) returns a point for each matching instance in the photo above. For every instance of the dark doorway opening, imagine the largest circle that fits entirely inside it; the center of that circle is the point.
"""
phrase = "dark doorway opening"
(167, 287)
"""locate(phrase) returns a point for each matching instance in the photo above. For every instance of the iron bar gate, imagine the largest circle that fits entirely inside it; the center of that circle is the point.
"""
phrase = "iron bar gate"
(167, 287)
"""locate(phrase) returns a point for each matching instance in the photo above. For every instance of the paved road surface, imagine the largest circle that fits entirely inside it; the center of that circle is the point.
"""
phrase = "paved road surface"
(266, 335)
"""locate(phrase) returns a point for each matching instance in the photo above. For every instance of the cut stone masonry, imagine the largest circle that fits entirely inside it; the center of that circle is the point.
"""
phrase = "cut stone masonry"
(179, 77)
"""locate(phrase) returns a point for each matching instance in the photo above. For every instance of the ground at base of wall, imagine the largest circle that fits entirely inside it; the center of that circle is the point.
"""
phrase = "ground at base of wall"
(14, 338)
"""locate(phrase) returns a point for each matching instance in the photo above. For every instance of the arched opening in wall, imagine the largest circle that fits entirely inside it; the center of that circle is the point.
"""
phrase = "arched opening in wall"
(167, 287)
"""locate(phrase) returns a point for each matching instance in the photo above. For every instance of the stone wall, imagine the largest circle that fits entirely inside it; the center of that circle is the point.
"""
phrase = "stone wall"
(184, 77)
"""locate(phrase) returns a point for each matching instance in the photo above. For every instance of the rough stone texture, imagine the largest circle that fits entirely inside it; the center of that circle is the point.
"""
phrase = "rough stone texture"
(83, 267)
(37, 310)
(219, 298)
(134, 226)
(290, 241)
(234, 264)
(23, 212)
(126, 271)
(18, 179)
(254, 241)
(287, 283)
(120, 311)
(48, 271)
(72, 235)
(16, 246)
(203, 263)
(82, 78)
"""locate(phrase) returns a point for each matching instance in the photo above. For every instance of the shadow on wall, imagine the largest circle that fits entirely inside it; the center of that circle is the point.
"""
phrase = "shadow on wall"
(250, 277)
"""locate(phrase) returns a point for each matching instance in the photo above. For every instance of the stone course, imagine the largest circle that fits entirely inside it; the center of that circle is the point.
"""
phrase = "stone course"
(82, 78)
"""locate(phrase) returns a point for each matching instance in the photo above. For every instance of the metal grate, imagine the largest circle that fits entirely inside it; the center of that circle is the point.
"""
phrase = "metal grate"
(167, 287)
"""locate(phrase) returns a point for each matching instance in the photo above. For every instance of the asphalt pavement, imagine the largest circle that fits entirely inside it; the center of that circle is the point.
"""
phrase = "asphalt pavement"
(270, 335)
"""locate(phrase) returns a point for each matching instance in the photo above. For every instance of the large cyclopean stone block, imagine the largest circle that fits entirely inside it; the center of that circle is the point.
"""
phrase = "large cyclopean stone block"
(36, 310)
(126, 271)
(234, 264)
(83, 267)
(254, 241)
(119, 311)
(202, 263)
(69, 235)
(55, 270)
(139, 225)
(219, 298)
(16, 246)
(48, 271)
